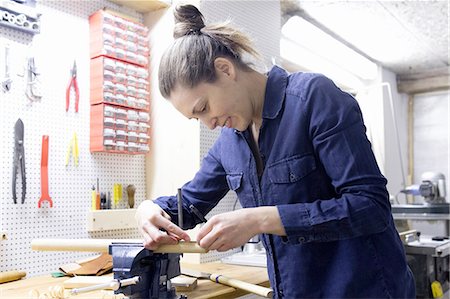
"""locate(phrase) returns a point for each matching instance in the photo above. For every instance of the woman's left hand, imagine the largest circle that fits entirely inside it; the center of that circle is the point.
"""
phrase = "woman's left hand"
(233, 229)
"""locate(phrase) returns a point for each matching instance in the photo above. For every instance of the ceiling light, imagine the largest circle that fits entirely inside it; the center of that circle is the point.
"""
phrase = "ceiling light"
(317, 46)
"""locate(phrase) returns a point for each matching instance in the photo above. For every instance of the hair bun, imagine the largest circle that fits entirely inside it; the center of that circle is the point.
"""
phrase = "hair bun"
(188, 20)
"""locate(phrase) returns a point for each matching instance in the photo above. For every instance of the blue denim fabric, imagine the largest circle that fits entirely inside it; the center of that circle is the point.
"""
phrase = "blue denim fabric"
(320, 172)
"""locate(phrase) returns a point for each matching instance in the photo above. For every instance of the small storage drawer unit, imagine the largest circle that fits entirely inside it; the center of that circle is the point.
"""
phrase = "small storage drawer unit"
(119, 83)
(119, 130)
(120, 87)
(118, 38)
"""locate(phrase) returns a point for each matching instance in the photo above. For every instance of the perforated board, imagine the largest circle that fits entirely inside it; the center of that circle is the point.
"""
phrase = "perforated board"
(64, 37)
(265, 33)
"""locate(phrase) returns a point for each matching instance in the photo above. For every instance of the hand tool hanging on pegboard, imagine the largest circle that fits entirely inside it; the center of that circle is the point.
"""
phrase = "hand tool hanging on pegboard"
(44, 174)
(33, 88)
(73, 82)
(19, 160)
(7, 81)
(72, 149)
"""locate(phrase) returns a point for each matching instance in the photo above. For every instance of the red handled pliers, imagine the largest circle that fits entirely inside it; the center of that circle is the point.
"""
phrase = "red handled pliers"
(73, 82)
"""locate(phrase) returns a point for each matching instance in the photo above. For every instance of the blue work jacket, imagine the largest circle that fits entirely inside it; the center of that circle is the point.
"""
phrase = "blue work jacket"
(320, 172)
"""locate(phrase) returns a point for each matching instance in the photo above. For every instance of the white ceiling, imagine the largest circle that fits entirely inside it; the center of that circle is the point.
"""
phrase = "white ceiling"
(414, 34)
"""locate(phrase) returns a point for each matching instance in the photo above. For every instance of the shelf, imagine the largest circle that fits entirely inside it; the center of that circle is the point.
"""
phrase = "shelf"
(143, 6)
(33, 27)
(101, 220)
(19, 16)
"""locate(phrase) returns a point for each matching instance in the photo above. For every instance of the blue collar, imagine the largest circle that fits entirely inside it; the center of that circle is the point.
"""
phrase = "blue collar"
(275, 92)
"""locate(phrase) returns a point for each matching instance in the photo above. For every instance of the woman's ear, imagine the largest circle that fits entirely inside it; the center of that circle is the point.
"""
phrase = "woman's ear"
(225, 68)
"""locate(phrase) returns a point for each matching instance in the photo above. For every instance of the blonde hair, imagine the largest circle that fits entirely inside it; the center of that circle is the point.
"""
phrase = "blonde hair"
(190, 59)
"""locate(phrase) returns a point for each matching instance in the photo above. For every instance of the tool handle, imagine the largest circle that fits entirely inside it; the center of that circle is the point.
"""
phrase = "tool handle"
(72, 82)
(14, 180)
(77, 94)
(24, 178)
(68, 95)
(114, 284)
(242, 285)
(102, 245)
(44, 173)
(11, 276)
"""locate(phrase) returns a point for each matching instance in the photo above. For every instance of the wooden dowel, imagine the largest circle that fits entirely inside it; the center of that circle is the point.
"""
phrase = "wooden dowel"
(102, 245)
(11, 276)
(242, 285)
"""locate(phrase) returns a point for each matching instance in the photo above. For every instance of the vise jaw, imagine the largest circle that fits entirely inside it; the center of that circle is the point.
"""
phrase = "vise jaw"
(154, 269)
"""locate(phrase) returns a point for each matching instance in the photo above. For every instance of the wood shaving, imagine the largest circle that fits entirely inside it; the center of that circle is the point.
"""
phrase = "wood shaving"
(55, 292)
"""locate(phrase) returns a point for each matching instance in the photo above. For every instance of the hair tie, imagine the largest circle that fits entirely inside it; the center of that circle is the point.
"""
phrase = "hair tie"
(194, 31)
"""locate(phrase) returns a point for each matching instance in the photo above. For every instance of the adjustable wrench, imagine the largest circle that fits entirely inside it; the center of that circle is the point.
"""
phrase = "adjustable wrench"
(6, 83)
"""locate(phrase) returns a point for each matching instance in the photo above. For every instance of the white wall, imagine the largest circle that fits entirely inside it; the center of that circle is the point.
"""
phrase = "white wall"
(394, 160)
(431, 134)
(261, 20)
(178, 145)
(370, 99)
(174, 149)
(379, 118)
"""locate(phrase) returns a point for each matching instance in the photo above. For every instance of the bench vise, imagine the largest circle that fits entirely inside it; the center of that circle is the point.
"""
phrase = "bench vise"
(139, 273)
(154, 270)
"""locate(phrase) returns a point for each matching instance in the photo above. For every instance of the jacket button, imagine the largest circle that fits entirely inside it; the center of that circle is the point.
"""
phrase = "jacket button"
(301, 239)
(291, 176)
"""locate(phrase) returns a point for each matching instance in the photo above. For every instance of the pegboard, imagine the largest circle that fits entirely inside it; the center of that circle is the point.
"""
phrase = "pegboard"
(64, 38)
(207, 139)
(265, 33)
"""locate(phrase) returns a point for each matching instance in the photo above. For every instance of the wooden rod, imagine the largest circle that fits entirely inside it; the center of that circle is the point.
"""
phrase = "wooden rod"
(102, 245)
(11, 276)
(242, 285)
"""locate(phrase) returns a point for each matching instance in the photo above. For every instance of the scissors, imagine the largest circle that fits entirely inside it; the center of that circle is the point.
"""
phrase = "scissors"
(73, 82)
(19, 160)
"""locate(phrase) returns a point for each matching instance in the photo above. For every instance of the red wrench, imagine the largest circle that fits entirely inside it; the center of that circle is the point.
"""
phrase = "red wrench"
(44, 173)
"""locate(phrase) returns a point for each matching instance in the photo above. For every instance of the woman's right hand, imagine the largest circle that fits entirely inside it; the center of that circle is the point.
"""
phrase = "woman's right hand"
(152, 220)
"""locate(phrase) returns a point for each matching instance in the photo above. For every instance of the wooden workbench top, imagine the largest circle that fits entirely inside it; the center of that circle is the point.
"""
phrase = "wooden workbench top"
(205, 288)
(208, 289)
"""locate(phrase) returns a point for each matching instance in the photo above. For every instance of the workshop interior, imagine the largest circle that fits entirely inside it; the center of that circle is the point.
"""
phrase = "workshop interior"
(86, 137)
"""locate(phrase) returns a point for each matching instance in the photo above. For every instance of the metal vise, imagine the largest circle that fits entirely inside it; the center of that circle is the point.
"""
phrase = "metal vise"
(154, 269)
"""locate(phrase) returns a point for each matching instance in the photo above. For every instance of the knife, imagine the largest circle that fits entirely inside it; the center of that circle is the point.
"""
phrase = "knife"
(235, 283)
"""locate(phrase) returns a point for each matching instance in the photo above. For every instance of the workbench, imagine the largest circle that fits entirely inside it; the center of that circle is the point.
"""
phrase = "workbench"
(205, 288)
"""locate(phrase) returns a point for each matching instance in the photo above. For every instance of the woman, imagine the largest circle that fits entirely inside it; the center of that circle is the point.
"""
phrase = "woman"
(294, 149)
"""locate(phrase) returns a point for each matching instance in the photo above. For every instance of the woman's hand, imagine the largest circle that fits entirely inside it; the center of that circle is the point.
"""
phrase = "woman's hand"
(233, 229)
(151, 220)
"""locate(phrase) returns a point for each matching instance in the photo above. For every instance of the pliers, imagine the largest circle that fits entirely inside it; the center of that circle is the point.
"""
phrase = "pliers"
(73, 82)
(19, 160)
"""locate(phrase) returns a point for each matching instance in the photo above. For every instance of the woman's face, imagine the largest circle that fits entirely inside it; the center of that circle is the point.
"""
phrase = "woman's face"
(223, 103)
